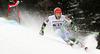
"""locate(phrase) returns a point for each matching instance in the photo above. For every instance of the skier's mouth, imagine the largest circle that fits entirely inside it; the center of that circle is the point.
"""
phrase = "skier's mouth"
(58, 15)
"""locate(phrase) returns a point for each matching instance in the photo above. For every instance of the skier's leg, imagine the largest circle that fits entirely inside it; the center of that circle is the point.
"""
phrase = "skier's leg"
(68, 35)
(77, 42)
(81, 45)
(63, 36)
(74, 40)
(60, 34)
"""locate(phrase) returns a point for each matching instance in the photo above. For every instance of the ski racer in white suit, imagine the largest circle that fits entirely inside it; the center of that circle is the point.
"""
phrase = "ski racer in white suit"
(56, 21)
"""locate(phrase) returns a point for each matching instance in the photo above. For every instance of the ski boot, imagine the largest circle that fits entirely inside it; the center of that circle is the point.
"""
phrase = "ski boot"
(69, 43)
(86, 48)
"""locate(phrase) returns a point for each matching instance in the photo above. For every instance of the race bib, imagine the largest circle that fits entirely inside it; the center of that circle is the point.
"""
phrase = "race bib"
(57, 25)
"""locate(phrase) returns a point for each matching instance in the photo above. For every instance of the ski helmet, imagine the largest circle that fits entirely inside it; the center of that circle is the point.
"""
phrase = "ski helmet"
(57, 10)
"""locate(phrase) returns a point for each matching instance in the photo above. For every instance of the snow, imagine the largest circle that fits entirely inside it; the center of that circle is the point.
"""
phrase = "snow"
(18, 39)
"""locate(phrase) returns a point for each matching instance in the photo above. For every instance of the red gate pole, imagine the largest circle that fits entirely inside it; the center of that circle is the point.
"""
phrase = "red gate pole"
(18, 14)
(7, 13)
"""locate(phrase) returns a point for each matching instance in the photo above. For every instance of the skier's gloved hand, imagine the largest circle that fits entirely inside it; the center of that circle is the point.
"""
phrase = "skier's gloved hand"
(75, 28)
(41, 32)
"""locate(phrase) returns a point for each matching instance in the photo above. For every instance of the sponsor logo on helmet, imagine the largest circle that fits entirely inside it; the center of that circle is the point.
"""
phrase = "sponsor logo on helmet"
(58, 11)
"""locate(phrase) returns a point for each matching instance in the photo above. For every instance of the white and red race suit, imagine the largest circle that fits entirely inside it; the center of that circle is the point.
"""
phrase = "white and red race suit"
(57, 25)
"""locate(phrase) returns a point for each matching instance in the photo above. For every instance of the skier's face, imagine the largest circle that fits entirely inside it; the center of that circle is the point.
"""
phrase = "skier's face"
(58, 15)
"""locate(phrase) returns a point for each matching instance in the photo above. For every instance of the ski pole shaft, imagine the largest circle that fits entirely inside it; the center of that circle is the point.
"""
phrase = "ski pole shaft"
(89, 31)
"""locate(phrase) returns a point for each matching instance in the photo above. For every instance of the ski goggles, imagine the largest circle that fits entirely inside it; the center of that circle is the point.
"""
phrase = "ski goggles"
(58, 14)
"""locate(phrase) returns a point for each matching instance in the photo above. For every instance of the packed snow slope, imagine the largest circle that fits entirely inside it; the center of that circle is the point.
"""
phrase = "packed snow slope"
(18, 39)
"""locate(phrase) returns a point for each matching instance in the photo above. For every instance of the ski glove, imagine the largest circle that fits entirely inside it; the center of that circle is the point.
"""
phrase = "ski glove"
(42, 28)
(41, 32)
(75, 28)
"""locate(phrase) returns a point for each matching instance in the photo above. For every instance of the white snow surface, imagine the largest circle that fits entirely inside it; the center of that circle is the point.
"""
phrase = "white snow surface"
(18, 39)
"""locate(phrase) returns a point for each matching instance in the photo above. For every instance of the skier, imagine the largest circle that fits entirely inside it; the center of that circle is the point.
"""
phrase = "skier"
(56, 21)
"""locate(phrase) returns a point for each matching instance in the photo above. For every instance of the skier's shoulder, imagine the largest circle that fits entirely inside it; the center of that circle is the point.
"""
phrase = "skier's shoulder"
(63, 16)
(51, 17)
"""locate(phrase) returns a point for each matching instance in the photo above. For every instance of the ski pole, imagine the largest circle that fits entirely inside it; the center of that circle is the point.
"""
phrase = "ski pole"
(85, 31)
(89, 31)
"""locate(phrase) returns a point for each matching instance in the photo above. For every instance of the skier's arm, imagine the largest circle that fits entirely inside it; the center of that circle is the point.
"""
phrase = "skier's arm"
(75, 27)
(43, 26)
(70, 22)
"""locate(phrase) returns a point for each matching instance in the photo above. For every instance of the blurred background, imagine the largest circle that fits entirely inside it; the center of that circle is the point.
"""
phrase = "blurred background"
(85, 13)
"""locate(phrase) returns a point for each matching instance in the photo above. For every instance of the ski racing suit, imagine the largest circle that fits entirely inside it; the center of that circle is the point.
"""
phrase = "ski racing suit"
(57, 25)
(60, 31)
